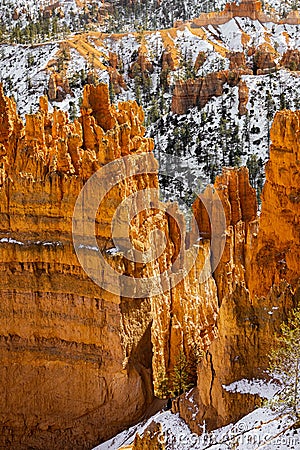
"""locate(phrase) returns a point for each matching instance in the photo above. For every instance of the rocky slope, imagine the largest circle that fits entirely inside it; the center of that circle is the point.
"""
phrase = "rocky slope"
(210, 90)
(80, 360)
(260, 429)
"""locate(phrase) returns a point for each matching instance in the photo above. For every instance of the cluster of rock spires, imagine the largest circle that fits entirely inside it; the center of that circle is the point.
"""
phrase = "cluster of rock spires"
(258, 285)
(258, 281)
(198, 91)
(192, 91)
(77, 361)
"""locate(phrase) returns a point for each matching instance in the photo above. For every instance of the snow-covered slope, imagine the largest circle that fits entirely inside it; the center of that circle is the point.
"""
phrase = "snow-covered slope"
(112, 16)
(204, 139)
(262, 429)
(218, 136)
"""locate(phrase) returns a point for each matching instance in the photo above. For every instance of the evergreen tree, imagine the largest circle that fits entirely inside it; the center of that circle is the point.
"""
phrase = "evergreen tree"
(137, 89)
(181, 378)
(111, 91)
(72, 111)
(254, 167)
(270, 106)
(153, 112)
(285, 365)
(164, 77)
(162, 384)
(283, 101)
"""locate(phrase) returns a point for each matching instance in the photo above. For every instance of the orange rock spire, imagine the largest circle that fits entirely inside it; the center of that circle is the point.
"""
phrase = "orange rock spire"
(77, 360)
(257, 280)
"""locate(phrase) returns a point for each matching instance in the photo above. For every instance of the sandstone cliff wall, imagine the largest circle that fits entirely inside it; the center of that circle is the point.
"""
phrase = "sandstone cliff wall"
(77, 360)
(277, 247)
(257, 280)
(72, 373)
(199, 91)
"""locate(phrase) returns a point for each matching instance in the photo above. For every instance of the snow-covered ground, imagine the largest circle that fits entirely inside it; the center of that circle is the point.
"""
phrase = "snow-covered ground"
(262, 429)
(123, 15)
(204, 140)
(263, 388)
(23, 74)
(218, 136)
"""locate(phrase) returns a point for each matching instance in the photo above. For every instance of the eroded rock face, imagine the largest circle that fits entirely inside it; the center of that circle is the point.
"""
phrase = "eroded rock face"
(198, 92)
(185, 95)
(152, 439)
(264, 59)
(246, 8)
(237, 60)
(142, 65)
(167, 60)
(58, 87)
(243, 97)
(277, 248)
(291, 59)
(74, 370)
(77, 360)
(200, 60)
(257, 279)
(116, 78)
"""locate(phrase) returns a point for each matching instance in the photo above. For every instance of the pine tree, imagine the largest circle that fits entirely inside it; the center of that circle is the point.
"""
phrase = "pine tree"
(162, 384)
(72, 111)
(285, 365)
(181, 378)
(137, 89)
(111, 91)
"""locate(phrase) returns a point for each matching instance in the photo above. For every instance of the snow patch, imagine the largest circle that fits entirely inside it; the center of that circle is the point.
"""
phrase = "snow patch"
(261, 429)
(265, 389)
(88, 247)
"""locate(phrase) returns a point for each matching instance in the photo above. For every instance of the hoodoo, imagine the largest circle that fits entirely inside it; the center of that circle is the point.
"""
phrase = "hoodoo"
(115, 301)
(257, 280)
(77, 360)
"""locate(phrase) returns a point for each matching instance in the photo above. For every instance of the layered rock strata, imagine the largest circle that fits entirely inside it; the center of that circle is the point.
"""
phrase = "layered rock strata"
(77, 360)
(245, 8)
(197, 92)
(291, 59)
(65, 370)
(257, 280)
